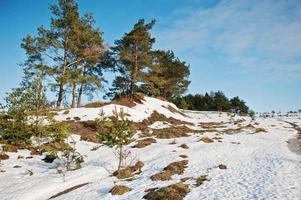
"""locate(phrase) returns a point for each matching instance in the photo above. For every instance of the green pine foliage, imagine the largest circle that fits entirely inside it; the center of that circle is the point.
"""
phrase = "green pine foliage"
(167, 77)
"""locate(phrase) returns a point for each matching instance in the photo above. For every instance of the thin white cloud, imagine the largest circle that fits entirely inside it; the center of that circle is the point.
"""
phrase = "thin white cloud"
(261, 35)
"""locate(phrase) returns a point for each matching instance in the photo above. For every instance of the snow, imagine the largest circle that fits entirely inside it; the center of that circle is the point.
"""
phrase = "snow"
(259, 165)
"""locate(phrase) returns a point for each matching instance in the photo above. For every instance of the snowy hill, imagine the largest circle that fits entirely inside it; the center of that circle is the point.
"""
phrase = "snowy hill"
(226, 157)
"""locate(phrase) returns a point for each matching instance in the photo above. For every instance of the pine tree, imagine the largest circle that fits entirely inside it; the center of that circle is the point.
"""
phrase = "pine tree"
(133, 52)
(239, 106)
(69, 46)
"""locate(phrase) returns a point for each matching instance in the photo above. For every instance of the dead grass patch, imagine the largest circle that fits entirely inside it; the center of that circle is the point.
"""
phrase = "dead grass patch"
(95, 104)
(200, 180)
(120, 190)
(76, 118)
(206, 140)
(184, 146)
(170, 170)
(221, 166)
(162, 176)
(4, 156)
(129, 171)
(68, 190)
(238, 130)
(173, 132)
(177, 167)
(130, 101)
(144, 142)
(212, 125)
(173, 110)
(66, 112)
(173, 192)
(260, 130)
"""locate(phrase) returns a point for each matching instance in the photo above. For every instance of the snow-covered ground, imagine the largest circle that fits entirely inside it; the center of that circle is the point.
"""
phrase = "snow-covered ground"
(259, 165)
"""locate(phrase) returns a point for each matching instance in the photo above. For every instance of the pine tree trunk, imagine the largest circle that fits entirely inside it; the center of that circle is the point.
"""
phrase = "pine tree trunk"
(60, 95)
(120, 158)
(61, 87)
(134, 73)
(81, 90)
(73, 95)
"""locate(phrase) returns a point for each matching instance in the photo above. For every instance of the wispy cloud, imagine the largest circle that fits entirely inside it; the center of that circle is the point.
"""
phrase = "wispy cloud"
(257, 35)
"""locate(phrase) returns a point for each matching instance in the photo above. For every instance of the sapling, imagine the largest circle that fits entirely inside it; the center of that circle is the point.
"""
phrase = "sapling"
(68, 159)
(118, 133)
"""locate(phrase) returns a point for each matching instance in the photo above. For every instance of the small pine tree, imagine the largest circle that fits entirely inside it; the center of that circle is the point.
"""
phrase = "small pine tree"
(119, 133)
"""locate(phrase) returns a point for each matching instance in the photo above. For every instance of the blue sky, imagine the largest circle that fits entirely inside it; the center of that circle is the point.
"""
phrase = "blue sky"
(250, 49)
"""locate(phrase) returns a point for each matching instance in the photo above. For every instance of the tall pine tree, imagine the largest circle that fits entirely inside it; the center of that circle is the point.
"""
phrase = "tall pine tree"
(133, 53)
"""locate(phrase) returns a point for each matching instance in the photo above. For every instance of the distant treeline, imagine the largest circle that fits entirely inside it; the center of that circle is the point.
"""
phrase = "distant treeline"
(215, 101)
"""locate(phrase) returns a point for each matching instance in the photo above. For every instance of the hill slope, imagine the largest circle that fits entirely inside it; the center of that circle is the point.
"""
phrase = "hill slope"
(227, 157)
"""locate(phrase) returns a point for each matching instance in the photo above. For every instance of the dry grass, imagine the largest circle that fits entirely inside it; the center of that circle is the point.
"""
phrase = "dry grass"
(130, 101)
(184, 146)
(162, 176)
(68, 190)
(183, 156)
(95, 104)
(66, 112)
(173, 132)
(129, 171)
(260, 130)
(120, 190)
(221, 166)
(86, 129)
(170, 170)
(144, 142)
(173, 110)
(177, 167)
(212, 125)
(173, 192)
(123, 173)
(3, 156)
(200, 180)
(206, 140)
